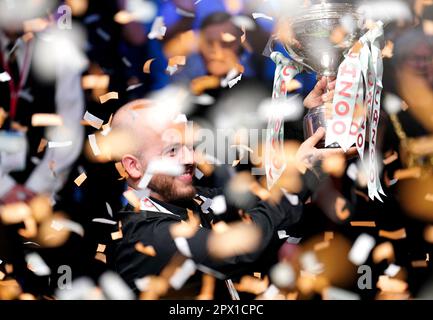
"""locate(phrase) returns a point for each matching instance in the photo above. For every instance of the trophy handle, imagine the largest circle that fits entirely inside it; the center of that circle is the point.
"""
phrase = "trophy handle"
(270, 48)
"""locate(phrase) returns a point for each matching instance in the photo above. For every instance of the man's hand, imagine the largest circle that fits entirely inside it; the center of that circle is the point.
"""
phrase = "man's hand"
(308, 154)
(17, 194)
(318, 95)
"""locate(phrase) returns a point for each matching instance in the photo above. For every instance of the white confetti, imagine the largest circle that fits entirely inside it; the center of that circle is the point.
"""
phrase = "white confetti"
(183, 246)
(59, 144)
(165, 166)
(145, 180)
(109, 210)
(352, 172)
(257, 15)
(283, 275)
(179, 278)
(234, 81)
(4, 77)
(80, 289)
(93, 120)
(270, 292)
(172, 69)
(198, 174)
(104, 221)
(293, 198)
(310, 263)
(114, 287)
(361, 249)
(219, 205)
(204, 100)
(103, 34)
(392, 270)
(134, 86)
(94, 145)
(185, 13)
(59, 224)
(332, 293)
(158, 29)
(37, 265)
(392, 103)
(206, 204)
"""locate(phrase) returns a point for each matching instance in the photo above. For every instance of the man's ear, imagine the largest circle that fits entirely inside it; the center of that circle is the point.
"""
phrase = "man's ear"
(132, 166)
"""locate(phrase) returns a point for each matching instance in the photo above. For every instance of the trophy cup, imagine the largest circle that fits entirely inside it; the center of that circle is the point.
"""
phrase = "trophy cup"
(312, 47)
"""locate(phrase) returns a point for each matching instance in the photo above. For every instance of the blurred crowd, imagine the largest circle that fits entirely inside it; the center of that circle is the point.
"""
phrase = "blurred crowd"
(67, 66)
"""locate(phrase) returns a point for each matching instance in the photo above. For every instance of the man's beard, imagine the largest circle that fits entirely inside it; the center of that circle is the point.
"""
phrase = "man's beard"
(170, 189)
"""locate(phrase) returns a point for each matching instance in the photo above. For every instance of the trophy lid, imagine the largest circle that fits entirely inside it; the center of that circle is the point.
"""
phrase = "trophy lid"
(312, 30)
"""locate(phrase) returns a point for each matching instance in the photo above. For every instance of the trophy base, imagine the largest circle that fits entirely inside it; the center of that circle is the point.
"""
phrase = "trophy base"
(313, 120)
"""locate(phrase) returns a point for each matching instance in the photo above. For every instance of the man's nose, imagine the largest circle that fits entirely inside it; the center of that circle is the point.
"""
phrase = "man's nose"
(187, 155)
(217, 52)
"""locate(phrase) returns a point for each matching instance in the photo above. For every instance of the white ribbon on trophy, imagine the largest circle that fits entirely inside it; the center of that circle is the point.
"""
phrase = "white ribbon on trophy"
(361, 69)
(275, 164)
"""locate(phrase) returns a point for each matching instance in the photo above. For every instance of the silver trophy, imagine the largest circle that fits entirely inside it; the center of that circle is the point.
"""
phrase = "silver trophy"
(311, 45)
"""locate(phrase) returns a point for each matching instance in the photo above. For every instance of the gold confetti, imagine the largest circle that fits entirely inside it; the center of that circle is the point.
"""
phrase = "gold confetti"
(123, 17)
(419, 264)
(146, 67)
(391, 285)
(42, 145)
(147, 250)
(93, 81)
(101, 256)
(428, 233)
(30, 228)
(41, 207)
(2, 275)
(329, 235)
(371, 224)
(427, 26)
(335, 165)
(342, 212)
(252, 285)
(132, 199)
(388, 50)
(15, 212)
(101, 247)
(338, 35)
(393, 157)
(108, 96)
(80, 179)
(383, 251)
(36, 25)
(46, 119)
(177, 60)
(9, 268)
(429, 197)
(200, 84)
(121, 170)
(28, 36)
(235, 162)
(3, 116)
(78, 7)
(207, 288)
(185, 229)
(408, 173)
(393, 235)
(117, 235)
(321, 245)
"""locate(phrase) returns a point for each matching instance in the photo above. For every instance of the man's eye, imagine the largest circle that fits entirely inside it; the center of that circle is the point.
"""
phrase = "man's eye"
(173, 151)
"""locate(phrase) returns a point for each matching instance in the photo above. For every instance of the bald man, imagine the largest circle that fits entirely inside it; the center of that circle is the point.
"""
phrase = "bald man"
(168, 199)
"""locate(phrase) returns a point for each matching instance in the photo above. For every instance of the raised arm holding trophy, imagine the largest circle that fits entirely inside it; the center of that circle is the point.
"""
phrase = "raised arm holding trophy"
(324, 37)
